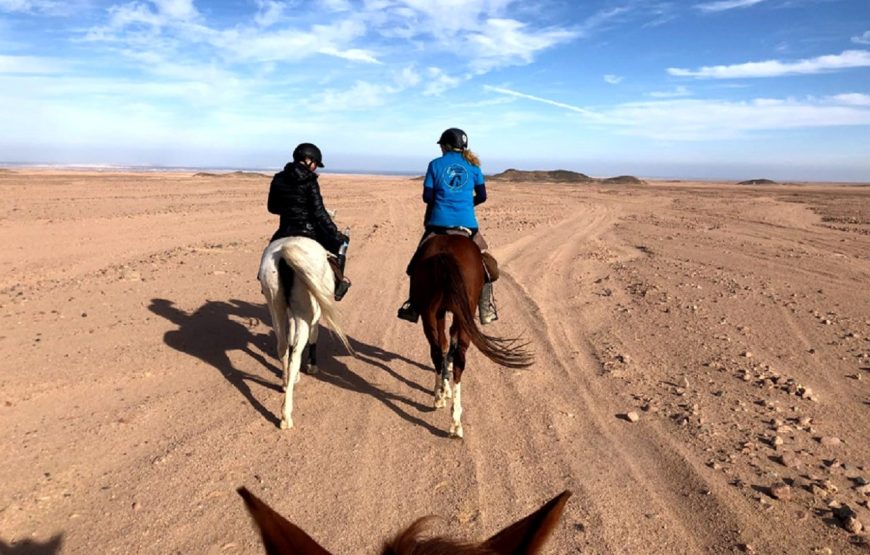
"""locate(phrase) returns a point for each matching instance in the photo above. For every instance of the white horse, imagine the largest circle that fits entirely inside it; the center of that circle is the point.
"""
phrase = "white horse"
(310, 299)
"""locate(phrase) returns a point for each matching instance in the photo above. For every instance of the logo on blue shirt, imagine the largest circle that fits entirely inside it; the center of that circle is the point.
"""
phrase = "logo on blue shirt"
(457, 176)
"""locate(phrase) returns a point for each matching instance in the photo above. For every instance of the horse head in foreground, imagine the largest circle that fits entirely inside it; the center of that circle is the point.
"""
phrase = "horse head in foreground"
(448, 276)
(297, 303)
(524, 537)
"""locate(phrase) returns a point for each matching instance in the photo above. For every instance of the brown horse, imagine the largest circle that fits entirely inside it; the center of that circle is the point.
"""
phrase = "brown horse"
(447, 276)
(524, 537)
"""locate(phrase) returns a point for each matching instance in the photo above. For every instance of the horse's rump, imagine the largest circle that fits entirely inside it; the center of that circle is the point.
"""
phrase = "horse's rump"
(449, 276)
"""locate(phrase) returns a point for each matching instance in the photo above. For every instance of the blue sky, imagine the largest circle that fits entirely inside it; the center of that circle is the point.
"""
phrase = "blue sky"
(719, 88)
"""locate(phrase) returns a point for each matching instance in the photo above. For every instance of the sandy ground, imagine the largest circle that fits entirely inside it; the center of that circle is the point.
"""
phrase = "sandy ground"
(139, 386)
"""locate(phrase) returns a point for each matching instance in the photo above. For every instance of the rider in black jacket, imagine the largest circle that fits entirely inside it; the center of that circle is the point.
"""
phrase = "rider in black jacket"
(295, 196)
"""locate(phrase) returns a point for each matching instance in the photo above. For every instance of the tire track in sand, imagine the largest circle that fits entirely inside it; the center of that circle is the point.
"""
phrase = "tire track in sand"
(653, 492)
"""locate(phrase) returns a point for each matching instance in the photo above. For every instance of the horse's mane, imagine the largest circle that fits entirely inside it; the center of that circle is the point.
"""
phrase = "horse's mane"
(413, 541)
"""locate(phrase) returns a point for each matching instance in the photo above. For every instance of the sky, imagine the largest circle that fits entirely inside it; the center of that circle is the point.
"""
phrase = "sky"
(732, 89)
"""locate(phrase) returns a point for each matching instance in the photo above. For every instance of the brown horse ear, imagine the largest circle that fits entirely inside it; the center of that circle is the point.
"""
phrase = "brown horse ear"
(527, 536)
(280, 536)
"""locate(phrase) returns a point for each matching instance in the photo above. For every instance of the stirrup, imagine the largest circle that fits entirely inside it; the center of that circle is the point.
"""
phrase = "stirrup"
(408, 313)
(341, 289)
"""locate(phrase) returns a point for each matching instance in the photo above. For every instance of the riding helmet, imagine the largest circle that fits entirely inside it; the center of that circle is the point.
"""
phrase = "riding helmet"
(308, 150)
(454, 138)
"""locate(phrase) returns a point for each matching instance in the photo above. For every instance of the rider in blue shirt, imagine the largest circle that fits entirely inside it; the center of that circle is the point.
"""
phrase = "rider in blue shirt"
(453, 186)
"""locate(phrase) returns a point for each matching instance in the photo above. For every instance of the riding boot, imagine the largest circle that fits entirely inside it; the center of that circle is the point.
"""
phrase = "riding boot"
(342, 284)
(408, 312)
(486, 305)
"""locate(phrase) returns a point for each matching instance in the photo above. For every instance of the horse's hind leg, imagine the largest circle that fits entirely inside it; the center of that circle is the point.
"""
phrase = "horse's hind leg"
(292, 376)
(280, 324)
(458, 367)
(433, 327)
(309, 363)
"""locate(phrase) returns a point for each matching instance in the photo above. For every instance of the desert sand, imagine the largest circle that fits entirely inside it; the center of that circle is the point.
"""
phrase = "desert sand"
(139, 386)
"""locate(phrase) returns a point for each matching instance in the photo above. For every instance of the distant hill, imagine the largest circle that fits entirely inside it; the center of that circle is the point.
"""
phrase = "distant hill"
(558, 176)
(6, 170)
(561, 176)
(624, 179)
(758, 182)
(230, 174)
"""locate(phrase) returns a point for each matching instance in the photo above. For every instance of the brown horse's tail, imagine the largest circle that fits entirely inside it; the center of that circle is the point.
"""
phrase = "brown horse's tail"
(506, 352)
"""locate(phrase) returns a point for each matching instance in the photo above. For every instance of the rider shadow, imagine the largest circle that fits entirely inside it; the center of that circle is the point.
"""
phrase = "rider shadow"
(209, 334)
(335, 372)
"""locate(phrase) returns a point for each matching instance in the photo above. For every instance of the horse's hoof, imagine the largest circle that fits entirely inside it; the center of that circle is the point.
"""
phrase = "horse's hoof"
(440, 403)
(286, 424)
(456, 431)
(311, 369)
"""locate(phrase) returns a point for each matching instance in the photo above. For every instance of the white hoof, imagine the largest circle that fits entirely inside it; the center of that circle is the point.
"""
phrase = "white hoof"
(286, 424)
(440, 402)
(456, 431)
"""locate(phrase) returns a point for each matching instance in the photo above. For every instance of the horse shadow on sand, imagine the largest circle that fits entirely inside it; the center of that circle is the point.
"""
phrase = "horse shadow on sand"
(30, 547)
(216, 328)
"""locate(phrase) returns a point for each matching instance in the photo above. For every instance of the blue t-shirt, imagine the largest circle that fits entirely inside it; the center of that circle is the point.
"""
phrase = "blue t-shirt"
(452, 180)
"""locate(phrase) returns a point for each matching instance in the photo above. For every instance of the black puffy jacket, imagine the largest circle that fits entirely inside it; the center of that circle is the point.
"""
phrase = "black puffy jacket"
(295, 196)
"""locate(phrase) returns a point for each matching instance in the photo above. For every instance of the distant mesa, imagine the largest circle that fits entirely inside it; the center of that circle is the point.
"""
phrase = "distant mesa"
(230, 174)
(562, 176)
(758, 182)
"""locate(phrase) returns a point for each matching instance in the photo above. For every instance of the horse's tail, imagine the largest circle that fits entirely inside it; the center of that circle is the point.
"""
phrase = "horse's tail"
(506, 352)
(298, 258)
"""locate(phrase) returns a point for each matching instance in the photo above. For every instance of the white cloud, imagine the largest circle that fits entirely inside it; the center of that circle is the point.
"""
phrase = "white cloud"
(48, 7)
(337, 5)
(862, 39)
(269, 12)
(676, 92)
(183, 10)
(31, 65)
(706, 120)
(724, 5)
(436, 82)
(613, 79)
(696, 120)
(506, 42)
(775, 68)
(852, 99)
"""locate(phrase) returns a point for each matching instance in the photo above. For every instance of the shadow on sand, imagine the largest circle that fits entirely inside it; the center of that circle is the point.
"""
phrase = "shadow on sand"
(29, 547)
(218, 327)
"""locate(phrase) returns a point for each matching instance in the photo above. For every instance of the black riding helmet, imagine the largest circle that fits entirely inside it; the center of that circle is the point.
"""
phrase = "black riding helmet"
(454, 138)
(308, 150)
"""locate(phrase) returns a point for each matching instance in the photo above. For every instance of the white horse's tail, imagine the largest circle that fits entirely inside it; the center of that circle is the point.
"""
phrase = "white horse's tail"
(299, 260)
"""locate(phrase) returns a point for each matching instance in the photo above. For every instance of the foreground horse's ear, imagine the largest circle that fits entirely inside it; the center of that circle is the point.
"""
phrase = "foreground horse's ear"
(280, 536)
(527, 536)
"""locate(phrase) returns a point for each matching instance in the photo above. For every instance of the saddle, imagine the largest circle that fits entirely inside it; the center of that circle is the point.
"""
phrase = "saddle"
(490, 265)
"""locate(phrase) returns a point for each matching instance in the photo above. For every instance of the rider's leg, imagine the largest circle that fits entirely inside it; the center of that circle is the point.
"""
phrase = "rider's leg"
(342, 284)
(407, 311)
(486, 305)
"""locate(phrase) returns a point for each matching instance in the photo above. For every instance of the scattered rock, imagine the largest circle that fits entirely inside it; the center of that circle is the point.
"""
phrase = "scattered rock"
(829, 441)
(790, 460)
(848, 519)
(632, 416)
(780, 491)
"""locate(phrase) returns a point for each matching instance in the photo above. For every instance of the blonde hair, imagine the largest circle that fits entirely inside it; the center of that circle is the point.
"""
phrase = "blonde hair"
(471, 158)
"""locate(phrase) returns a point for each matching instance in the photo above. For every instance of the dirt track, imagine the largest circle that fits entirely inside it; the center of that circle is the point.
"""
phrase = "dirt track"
(139, 386)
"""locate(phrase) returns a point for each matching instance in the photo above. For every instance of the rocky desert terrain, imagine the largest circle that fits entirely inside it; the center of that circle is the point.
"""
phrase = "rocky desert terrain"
(701, 382)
